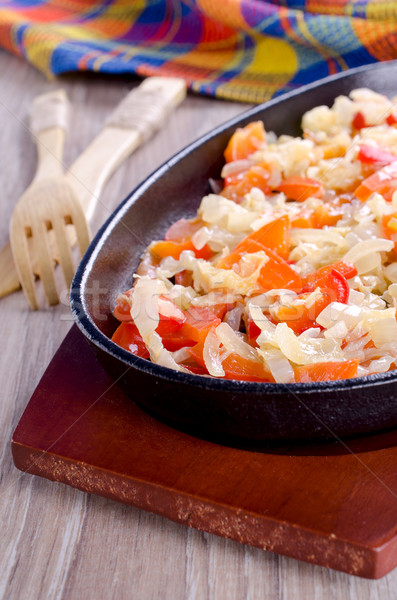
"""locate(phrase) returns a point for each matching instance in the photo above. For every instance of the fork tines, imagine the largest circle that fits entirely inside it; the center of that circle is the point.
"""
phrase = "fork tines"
(39, 232)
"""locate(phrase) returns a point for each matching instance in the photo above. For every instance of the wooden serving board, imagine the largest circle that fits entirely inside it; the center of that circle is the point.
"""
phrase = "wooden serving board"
(332, 504)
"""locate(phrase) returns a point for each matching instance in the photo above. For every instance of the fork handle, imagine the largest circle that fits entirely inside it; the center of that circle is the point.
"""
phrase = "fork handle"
(137, 118)
(48, 123)
(126, 129)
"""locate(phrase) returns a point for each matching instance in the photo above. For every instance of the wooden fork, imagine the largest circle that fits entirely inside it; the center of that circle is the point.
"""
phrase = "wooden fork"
(48, 121)
(48, 205)
(72, 198)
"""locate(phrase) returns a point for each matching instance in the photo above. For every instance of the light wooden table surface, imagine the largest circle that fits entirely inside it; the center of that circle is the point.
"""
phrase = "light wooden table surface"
(57, 542)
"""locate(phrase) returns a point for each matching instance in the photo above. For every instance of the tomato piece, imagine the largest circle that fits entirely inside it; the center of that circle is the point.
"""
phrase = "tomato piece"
(383, 181)
(359, 120)
(252, 331)
(176, 340)
(299, 317)
(245, 141)
(375, 156)
(237, 187)
(334, 284)
(199, 320)
(195, 369)
(342, 272)
(300, 188)
(348, 270)
(164, 248)
(331, 281)
(171, 317)
(333, 288)
(278, 274)
(327, 371)
(128, 337)
(183, 230)
(391, 119)
(205, 252)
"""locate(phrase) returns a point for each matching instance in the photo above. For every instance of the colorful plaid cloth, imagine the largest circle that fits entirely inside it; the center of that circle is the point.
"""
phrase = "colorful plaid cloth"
(248, 50)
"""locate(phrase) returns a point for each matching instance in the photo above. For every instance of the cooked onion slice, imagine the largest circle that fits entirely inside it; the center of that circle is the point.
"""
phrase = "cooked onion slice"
(383, 331)
(233, 317)
(165, 359)
(235, 167)
(145, 313)
(317, 236)
(267, 328)
(233, 343)
(212, 355)
(336, 312)
(307, 351)
(281, 369)
(367, 247)
(144, 308)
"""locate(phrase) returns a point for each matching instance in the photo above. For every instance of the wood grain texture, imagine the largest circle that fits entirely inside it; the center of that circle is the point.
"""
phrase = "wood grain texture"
(56, 542)
(324, 503)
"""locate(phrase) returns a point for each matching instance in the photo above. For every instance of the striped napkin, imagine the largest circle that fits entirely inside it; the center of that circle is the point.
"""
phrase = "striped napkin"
(247, 50)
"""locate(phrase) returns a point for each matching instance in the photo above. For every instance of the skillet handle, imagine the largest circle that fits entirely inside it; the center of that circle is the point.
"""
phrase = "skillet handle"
(135, 120)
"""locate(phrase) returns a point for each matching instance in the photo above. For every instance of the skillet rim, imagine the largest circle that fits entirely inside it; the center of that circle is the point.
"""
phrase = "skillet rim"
(94, 334)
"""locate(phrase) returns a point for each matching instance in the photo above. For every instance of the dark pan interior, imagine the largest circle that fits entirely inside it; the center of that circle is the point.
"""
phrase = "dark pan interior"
(203, 405)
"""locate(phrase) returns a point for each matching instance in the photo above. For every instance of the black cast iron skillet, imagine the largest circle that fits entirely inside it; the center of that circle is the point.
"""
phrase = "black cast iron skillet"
(205, 406)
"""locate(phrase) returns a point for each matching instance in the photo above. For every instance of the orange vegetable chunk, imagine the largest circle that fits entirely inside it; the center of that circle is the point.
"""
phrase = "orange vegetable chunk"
(389, 227)
(199, 320)
(300, 188)
(273, 235)
(245, 141)
(278, 274)
(327, 371)
(164, 248)
(236, 187)
(333, 288)
(384, 181)
(128, 337)
(235, 366)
